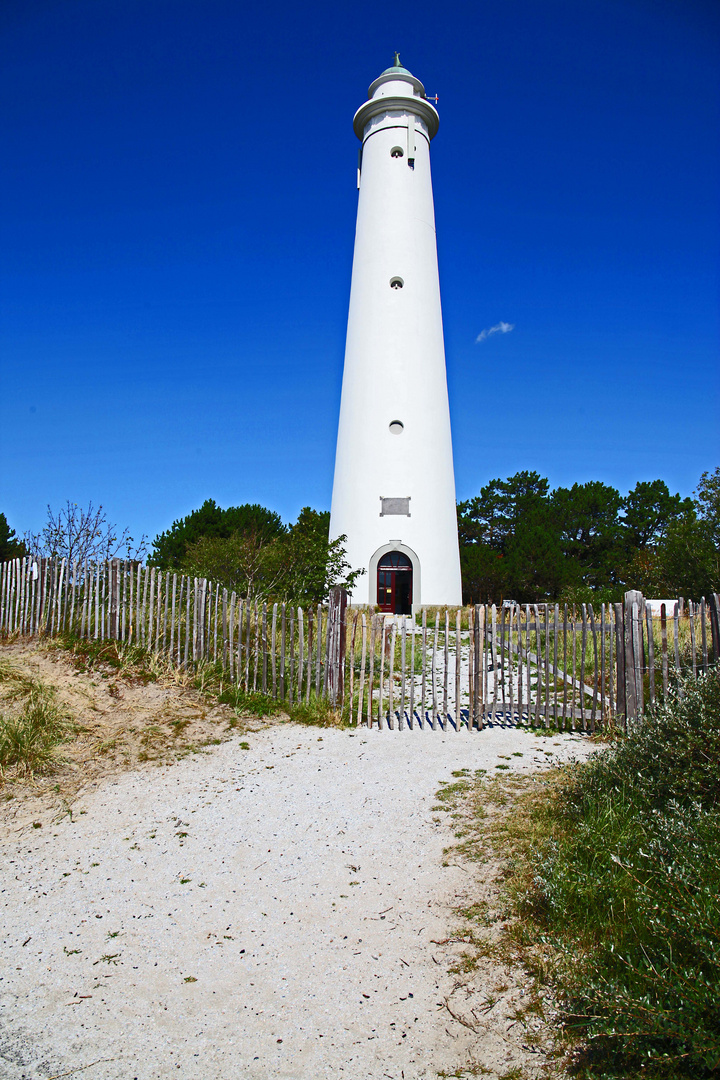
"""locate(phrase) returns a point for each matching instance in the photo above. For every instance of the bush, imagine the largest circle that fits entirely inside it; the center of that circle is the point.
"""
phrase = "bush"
(626, 885)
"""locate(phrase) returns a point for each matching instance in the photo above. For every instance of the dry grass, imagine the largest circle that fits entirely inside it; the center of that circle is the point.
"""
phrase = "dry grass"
(501, 977)
(108, 711)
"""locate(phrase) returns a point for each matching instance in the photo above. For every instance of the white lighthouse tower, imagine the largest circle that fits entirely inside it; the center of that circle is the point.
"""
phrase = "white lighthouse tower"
(394, 487)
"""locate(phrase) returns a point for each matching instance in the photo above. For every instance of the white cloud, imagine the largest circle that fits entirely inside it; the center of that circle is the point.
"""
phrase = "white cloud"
(499, 328)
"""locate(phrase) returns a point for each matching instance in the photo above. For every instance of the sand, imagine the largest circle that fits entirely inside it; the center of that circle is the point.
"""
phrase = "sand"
(254, 913)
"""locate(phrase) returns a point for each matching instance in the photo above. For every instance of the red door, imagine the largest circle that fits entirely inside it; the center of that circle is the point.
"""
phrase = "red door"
(394, 583)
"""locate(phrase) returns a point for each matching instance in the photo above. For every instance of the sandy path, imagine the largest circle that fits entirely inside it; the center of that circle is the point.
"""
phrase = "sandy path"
(299, 883)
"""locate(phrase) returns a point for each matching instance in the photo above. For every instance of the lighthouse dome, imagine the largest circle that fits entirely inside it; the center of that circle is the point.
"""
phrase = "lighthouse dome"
(386, 82)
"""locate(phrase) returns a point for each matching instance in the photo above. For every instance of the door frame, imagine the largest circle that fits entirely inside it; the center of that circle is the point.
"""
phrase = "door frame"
(373, 568)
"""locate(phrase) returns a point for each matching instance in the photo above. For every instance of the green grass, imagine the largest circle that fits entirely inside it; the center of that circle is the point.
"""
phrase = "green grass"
(615, 875)
(35, 726)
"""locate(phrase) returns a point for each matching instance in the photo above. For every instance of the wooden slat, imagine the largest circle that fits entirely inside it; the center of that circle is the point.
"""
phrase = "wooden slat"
(283, 635)
(166, 609)
(21, 596)
(171, 605)
(411, 705)
(547, 667)
(403, 660)
(528, 660)
(501, 658)
(619, 643)
(520, 664)
(583, 649)
(471, 670)
(381, 676)
(664, 648)
(224, 628)
(691, 619)
(511, 672)
(391, 679)
(326, 651)
(593, 714)
(215, 621)
(273, 647)
(423, 713)
(308, 679)
(458, 657)
(353, 636)
(703, 635)
(98, 601)
(639, 652)
(248, 640)
(34, 589)
(3, 577)
(318, 654)
(291, 658)
(676, 638)
(433, 672)
(494, 660)
(256, 658)
(538, 669)
(186, 651)
(241, 605)
(265, 645)
(137, 577)
(196, 616)
(73, 590)
(446, 664)
(479, 686)
(231, 636)
(603, 666)
(651, 653)
(151, 610)
(301, 654)
(556, 616)
(361, 689)
(371, 677)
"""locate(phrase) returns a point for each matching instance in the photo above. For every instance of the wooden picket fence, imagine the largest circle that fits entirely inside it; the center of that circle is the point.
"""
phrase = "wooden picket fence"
(454, 669)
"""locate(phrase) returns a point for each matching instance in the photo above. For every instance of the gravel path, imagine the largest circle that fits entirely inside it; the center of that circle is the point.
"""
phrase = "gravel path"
(245, 913)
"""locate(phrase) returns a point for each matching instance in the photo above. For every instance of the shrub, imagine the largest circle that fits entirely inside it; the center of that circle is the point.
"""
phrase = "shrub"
(626, 877)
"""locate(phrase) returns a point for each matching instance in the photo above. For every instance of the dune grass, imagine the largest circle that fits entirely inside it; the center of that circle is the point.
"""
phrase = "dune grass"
(614, 877)
(32, 724)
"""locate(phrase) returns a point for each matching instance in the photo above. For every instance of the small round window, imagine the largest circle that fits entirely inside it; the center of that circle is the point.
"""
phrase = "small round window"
(397, 151)
(396, 283)
(396, 427)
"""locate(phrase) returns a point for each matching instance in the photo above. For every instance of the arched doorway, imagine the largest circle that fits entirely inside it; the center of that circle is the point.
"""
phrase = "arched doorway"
(395, 583)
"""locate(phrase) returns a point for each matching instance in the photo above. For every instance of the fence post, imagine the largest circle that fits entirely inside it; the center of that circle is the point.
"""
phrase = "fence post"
(715, 624)
(337, 608)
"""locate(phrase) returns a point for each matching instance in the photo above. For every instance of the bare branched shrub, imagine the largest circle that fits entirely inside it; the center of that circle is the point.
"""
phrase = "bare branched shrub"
(81, 534)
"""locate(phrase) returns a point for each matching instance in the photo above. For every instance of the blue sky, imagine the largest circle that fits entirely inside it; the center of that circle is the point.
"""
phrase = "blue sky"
(178, 212)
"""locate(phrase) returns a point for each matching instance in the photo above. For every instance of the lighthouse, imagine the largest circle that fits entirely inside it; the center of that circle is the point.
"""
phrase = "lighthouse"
(394, 486)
